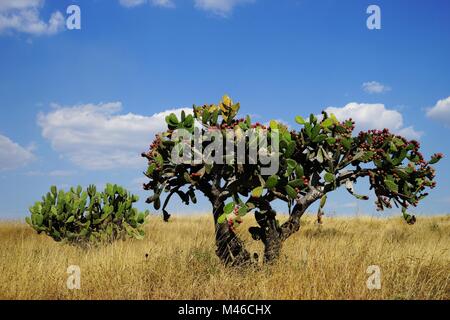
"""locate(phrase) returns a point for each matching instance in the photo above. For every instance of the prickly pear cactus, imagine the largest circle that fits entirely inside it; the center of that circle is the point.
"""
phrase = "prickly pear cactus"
(82, 217)
(322, 155)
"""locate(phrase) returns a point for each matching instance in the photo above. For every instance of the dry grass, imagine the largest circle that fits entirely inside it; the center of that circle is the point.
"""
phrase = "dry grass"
(327, 262)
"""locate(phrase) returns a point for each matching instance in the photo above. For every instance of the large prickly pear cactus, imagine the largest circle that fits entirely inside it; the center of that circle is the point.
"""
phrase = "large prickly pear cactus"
(80, 217)
(322, 155)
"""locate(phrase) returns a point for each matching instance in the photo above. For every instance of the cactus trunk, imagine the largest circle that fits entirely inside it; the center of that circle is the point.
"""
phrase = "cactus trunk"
(230, 249)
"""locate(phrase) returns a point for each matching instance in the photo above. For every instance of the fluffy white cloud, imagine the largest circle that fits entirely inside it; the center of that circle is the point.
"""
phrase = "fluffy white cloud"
(61, 173)
(163, 3)
(97, 136)
(220, 7)
(19, 4)
(156, 3)
(131, 3)
(12, 155)
(375, 87)
(441, 111)
(375, 116)
(54, 173)
(23, 16)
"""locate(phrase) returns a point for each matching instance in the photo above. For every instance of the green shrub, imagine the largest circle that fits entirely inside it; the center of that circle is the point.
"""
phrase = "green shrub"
(80, 217)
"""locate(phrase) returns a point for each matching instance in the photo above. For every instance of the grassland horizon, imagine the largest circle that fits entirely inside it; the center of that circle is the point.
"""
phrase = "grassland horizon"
(177, 260)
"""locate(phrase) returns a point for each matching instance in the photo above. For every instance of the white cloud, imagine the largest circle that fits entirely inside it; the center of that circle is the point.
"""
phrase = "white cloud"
(375, 116)
(345, 205)
(23, 16)
(54, 173)
(131, 3)
(97, 136)
(220, 7)
(19, 4)
(61, 173)
(441, 111)
(349, 205)
(163, 3)
(156, 3)
(375, 87)
(12, 155)
(136, 184)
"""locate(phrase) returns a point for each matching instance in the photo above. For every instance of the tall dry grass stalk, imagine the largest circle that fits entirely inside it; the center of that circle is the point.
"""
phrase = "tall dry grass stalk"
(176, 260)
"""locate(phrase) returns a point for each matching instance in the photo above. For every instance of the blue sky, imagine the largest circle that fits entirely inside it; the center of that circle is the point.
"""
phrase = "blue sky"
(78, 106)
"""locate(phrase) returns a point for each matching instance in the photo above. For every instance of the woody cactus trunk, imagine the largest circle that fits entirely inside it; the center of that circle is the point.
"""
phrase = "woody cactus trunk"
(197, 154)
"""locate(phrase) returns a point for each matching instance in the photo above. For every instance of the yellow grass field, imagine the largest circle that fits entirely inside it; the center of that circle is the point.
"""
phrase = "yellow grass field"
(319, 262)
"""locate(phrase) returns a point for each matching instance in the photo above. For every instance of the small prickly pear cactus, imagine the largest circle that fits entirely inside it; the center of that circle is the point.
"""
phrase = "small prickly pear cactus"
(80, 217)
